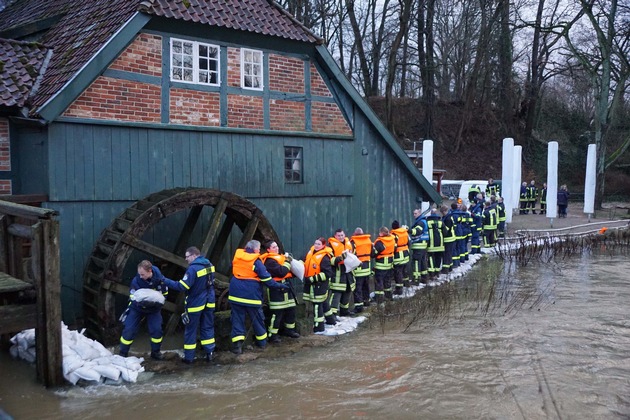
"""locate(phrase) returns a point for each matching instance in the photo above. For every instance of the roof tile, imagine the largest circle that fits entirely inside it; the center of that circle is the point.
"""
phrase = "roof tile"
(20, 65)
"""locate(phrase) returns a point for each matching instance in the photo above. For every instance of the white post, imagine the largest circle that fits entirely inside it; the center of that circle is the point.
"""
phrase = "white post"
(427, 166)
(506, 177)
(516, 180)
(589, 181)
(552, 181)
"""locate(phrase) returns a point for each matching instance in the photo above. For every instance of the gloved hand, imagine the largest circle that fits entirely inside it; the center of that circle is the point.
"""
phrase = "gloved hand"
(308, 280)
(344, 254)
(285, 287)
(288, 256)
(405, 227)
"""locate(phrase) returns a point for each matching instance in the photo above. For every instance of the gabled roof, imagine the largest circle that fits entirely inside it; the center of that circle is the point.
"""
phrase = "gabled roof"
(20, 65)
(78, 30)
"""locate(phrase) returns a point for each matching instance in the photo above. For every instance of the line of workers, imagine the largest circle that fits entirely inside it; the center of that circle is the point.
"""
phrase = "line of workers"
(433, 244)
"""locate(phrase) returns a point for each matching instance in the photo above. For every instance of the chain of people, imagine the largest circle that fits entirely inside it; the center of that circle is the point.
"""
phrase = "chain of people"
(336, 276)
(530, 195)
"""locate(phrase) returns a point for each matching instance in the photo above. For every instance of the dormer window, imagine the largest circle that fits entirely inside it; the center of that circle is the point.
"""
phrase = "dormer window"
(194, 62)
(251, 69)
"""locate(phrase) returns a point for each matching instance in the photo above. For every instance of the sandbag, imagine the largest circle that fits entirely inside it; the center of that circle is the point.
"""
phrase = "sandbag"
(107, 371)
(71, 363)
(297, 268)
(71, 377)
(87, 373)
(147, 296)
(351, 262)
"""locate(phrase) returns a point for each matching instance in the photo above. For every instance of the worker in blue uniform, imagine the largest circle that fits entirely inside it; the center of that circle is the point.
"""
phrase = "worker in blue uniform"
(246, 294)
(198, 285)
(419, 240)
(147, 277)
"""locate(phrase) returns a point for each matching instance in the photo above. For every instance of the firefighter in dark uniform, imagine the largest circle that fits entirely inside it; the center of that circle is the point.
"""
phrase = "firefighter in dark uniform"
(362, 248)
(246, 296)
(543, 199)
(490, 223)
(523, 199)
(342, 284)
(281, 302)
(448, 225)
(476, 227)
(492, 188)
(401, 257)
(198, 285)
(384, 247)
(532, 196)
(435, 247)
(148, 277)
(317, 274)
(501, 217)
(419, 238)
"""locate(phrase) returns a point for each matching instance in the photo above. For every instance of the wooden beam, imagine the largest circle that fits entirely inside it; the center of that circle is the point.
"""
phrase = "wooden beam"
(16, 318)
(154, 250)
(27, 212)
(222, 239)
(21, 231)
(250, 229)
(215, 221)
(4, 243)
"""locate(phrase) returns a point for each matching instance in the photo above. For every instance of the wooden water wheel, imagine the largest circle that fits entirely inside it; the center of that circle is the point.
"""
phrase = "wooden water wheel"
(210, 217)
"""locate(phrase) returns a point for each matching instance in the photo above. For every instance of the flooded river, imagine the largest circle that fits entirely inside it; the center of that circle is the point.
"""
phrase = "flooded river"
(547, 340)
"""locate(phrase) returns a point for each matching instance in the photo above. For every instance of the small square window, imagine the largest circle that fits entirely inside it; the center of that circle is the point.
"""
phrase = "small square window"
(194, 62)
(293, 165)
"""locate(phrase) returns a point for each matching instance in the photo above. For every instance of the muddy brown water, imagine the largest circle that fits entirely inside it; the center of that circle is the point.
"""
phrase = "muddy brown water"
(543, 341)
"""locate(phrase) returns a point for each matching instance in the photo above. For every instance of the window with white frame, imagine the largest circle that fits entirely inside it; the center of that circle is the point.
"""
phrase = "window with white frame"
(293, 165)
(194, 62)
(251, 69)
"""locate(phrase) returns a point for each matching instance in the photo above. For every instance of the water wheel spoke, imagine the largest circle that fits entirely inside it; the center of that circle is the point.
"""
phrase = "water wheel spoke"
(215, 221)
(222, 239)
(250, 229)
(154, 250)
(187, 230)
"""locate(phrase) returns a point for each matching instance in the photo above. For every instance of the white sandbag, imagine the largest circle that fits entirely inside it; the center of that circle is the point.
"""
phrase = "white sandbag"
(14, 351)
(26, 354)
(104, 360)
(87, 373)
(107, 371)
(351, 262)
(71, 363)
(102, 351)
(129, 375)
(66, 350)
(72, 377)
(126, 362)
(148, 296)
(297, 268)
(26, 338)
(86, 351)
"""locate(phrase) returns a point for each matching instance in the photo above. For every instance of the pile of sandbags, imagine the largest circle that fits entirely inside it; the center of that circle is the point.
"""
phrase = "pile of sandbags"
(83, 358)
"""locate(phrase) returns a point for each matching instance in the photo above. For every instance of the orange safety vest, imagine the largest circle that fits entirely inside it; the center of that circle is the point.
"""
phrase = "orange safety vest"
(312, 265)
(390, 243)
(338, 247)
(280, 258)
(243, 265)
(363, 246)
(402, 241)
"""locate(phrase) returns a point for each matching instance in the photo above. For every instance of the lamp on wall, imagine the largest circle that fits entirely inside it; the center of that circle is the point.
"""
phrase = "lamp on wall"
(364, 151)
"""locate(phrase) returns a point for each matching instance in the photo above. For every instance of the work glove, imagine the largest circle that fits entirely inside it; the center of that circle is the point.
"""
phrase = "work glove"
(308, 280)
(405, 227)
(123, 316)
(288, 256)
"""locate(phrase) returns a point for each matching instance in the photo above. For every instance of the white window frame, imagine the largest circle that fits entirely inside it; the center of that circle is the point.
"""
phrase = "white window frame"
(250, 61)
(293, 164)
(196, 68)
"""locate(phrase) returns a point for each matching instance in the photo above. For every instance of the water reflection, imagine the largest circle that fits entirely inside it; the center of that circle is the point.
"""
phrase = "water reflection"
(543, 341)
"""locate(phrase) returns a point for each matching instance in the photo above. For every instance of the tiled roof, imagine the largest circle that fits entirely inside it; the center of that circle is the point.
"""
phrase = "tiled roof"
(77, 30)
(258, 16)
(20, 64)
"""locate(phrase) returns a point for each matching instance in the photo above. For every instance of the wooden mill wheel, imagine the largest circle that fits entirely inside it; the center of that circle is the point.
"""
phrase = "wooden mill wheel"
(109, 268)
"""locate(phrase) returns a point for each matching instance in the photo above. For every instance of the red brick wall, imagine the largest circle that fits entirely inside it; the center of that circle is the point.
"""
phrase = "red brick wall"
(234, 67)
(5, 156)
(193, 107)
(115, 99)
(327, 118)
(286, 74)
(143, 56)
(286, 115)
(318, 87)
(245, 111)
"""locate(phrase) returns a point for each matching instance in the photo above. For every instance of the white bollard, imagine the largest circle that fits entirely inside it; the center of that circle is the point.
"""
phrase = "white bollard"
(589, 181)
(507, 174)
(516, 180)
(552, 181)
(427, 166)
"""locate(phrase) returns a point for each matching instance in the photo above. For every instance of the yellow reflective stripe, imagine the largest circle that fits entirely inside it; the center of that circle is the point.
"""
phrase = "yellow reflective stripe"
(205, 271)
(241, 300)
(190, 346)
(261, 337)
(156, 340)
(126, 342)
(266, 279)
(206, 342)
(196, 308)
(210, 305)
(238, 338)
(184, 284)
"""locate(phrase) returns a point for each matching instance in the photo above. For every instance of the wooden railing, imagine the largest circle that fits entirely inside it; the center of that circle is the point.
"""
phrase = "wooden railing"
(29, 259)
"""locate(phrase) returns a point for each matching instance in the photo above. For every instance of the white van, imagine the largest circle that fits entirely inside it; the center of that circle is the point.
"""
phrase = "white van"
(463, 190)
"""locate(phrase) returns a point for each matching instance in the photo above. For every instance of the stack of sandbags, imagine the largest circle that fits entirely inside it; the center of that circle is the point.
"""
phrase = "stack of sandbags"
(83, 358)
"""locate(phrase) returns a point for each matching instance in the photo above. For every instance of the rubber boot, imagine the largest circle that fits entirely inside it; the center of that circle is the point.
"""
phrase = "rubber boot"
(237, 347)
